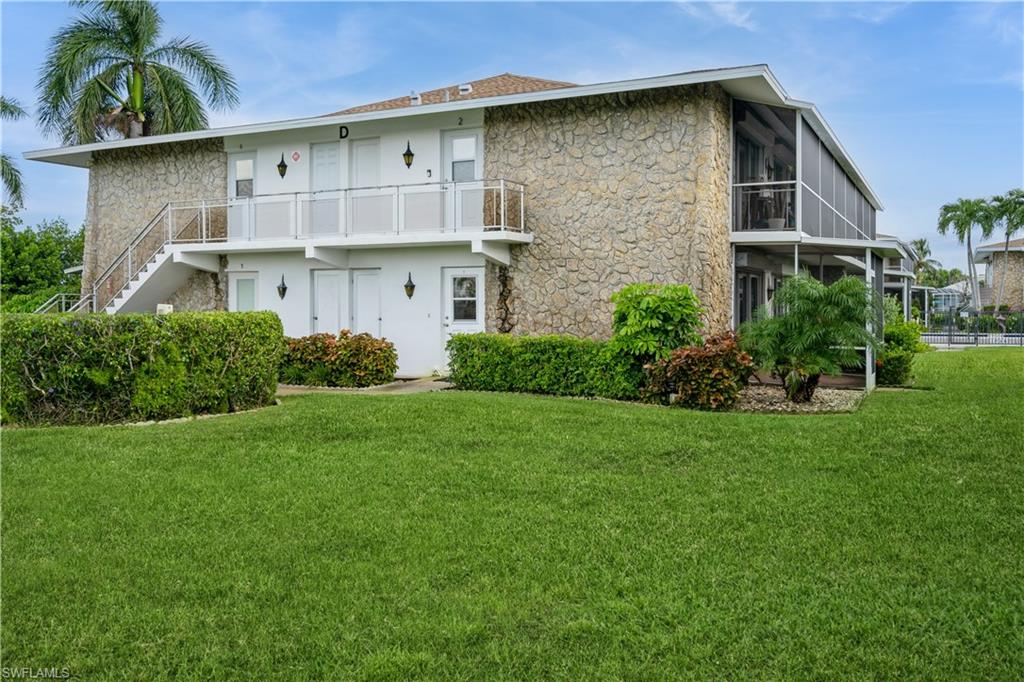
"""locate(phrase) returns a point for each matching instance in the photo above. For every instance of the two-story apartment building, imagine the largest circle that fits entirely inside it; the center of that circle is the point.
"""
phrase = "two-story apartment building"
(509, 204)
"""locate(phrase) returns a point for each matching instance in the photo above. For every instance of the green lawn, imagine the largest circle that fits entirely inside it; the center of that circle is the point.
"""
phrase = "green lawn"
(462, 535)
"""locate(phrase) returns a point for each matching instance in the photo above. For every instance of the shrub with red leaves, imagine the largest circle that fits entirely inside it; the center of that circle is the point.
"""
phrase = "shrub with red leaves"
(707, 377)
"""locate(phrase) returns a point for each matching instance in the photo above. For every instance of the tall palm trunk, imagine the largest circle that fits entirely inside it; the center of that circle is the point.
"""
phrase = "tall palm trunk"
(138, 105)
(972, 272)
(1002, 281)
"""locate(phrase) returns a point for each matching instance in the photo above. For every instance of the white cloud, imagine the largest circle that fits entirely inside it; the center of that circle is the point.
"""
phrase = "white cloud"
(721, 14)
(876, 12)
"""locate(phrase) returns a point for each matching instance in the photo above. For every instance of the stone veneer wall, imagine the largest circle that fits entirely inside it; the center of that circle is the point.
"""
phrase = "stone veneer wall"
(1013, 293)
(128, 186)
(632, 187)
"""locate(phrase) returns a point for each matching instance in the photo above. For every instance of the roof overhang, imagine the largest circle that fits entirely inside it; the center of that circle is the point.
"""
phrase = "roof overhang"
(756, 83)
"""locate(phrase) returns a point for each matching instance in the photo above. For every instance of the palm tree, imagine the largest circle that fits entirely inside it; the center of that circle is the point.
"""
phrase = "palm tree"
(922, 249)
(816, 330)
(962, 217)
(1008, 210)
(10, 175)
(106, 75)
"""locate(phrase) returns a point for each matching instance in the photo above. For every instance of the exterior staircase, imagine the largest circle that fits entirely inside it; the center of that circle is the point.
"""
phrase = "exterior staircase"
(154, 265)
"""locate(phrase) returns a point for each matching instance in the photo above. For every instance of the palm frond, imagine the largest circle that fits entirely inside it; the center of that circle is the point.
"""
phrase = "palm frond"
(174, 106)
(202, 67)
(11, 109)
(10, 177)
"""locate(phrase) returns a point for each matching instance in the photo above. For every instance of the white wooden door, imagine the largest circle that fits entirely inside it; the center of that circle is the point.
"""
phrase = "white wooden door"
(328, 301)
(241, 189)
(462, 171)
(323, 216)
(463, 301)
(370, 208)
(366, 316)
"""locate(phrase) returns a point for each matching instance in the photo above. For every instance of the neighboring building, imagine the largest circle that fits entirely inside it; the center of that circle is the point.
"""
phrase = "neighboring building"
(997, 261)
(512, 204)
(951, 298)
(899, 275)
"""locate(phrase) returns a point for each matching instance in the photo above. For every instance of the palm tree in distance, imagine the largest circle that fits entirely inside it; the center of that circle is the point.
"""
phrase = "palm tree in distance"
(923, 262)
(960, 218)
(1008, 211)
(10, 175)
(106, 75)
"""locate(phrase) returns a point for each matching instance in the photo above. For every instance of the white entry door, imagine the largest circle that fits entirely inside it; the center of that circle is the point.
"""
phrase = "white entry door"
(324, 211)
(241, 189)
(463, 301)
(328, 301)
(462, 171)
(370, 208)
(366, 317)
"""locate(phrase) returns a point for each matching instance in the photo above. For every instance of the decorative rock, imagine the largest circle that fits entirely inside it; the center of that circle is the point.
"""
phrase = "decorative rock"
(640, 194)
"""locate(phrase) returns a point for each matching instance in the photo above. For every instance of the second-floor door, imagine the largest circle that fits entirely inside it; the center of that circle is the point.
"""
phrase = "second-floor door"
(241, 189)
(462, 161)
(325, 203)
(370, 207)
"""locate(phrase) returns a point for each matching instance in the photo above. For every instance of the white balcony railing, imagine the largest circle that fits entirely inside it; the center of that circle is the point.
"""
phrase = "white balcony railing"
(449, 207)
(483, 205)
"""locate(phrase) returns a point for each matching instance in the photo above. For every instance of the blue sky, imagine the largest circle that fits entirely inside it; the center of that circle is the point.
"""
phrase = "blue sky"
(927, 97)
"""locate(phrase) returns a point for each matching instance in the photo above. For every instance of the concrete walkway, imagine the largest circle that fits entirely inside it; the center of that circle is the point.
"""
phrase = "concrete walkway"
(403, 387)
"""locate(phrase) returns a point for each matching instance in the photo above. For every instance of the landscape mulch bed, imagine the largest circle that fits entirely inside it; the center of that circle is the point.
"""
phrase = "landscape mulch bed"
(773, 399)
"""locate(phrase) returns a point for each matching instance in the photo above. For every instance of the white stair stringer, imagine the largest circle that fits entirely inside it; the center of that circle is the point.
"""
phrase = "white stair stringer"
(154, 283)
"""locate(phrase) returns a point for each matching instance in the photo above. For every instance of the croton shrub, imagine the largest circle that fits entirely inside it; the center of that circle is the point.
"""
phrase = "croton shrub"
(87, 369)
(553, 364)
(705, 377)
(347, 360)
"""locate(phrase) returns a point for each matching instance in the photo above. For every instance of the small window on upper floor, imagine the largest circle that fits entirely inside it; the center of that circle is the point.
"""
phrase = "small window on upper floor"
(243, 177)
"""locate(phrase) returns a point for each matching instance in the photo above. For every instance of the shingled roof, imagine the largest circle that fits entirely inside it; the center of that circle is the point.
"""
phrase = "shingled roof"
(503, 84)
(1000, 245)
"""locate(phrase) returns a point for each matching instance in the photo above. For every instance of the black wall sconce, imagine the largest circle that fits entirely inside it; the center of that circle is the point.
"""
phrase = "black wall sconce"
(282, 288)
(282, 167)
(407, 155)
(410, 287)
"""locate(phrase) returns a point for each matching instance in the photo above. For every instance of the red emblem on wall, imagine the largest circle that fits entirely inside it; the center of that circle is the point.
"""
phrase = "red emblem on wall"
(296, 156)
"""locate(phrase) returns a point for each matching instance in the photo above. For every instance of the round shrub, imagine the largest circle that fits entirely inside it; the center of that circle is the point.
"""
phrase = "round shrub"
(707, 377)
(345, 360)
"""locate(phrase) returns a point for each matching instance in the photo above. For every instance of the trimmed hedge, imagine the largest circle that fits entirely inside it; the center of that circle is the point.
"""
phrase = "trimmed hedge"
(554, 364)
(344, 360)
(89, 369)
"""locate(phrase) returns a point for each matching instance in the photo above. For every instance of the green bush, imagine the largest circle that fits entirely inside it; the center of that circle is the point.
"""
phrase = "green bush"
(343, 360)
(86, 369)
(905, 335)
(554, 365)
(894, 366)
(652, 320)
(28, 303)
(707, 377)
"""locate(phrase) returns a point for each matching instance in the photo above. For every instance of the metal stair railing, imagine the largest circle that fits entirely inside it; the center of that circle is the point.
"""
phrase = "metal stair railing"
(164, 229)
(62, 303)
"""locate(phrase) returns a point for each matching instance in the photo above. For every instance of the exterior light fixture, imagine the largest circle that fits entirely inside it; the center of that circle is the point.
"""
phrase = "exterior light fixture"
(282, 288)
(410, 287)
(407, 155)
(282, 168)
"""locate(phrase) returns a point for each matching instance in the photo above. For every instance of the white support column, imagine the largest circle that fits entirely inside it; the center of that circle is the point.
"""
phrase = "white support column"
(732, 288)
(869, 360)
(906, 298)
(796, 259)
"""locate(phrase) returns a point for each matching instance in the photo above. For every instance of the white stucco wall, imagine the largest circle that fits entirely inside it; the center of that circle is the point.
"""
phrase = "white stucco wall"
(413, 325)
(422, 133)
